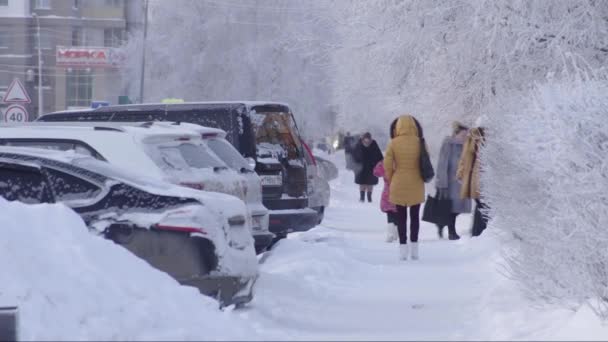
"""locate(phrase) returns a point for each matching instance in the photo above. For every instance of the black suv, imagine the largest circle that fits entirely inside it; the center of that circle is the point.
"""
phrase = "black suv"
(265, 132)
(154, 223)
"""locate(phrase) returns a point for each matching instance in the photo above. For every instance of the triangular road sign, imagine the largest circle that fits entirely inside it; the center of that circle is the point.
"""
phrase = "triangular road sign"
(16, 93)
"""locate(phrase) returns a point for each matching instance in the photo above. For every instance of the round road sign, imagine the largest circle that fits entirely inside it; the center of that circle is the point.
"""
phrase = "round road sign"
(15, 113)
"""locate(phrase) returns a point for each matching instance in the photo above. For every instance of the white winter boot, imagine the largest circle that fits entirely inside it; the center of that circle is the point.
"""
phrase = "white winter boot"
(391, 232)
(414, 250)
(403, 251)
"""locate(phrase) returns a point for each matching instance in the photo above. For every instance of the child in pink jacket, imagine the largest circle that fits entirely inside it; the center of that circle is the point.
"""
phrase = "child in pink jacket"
(385, 205)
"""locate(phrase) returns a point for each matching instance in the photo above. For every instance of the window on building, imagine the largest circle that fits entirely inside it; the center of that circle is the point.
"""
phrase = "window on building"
(3, 2)
(78, 36)
(42, 4)
(76, 4)
(113, 37)
(114, 3)
(4, 40)
(46, 41)
(79, 88)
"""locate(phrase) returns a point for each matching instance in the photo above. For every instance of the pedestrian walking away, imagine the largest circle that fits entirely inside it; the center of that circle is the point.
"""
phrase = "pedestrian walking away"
(349, 144)
(468, 174)
(403, 171)
(447, 183)
(385, 204)
(366, 155)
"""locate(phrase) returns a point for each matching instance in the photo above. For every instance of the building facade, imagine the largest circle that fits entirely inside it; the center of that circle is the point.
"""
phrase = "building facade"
(78, 49)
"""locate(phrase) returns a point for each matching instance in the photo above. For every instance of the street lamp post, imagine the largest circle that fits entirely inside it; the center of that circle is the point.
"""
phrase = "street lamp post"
(143, 54)
(40, 94)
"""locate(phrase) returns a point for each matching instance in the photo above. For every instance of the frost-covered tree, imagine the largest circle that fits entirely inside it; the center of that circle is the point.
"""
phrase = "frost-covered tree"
(545, 178)
(234, 50)
(450, 59)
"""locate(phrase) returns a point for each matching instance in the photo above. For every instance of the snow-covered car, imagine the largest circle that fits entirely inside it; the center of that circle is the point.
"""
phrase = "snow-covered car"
(201, 240)
(160, 150)
(215, 140)
(263, 131)
(319, 191)
(327, 169)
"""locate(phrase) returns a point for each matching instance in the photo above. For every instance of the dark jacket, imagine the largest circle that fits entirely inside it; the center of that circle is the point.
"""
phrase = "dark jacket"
(366, 159)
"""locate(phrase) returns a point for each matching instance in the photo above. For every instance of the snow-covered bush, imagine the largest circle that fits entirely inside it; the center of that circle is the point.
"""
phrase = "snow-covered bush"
(545, 178)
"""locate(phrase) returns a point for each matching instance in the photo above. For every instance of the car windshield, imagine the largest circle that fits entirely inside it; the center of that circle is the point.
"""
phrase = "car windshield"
(184, 156)
(228, 153)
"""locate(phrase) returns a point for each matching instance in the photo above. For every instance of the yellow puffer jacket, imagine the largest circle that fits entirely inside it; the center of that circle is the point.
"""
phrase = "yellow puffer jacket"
(402, 164)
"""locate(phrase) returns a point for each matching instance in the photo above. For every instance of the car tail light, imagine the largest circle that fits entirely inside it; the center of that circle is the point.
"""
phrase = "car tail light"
(180, 229)
(312, 157)
(209, 135)
(183, 139)
(197, 186)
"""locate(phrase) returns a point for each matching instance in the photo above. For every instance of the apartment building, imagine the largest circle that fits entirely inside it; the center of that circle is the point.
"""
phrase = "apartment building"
(78, 49)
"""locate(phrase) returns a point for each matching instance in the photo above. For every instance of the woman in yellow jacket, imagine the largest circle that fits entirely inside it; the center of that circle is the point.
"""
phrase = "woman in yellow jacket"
(402, 167)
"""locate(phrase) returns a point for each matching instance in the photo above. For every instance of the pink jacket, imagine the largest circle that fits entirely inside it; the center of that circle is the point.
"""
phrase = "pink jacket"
(385, 204)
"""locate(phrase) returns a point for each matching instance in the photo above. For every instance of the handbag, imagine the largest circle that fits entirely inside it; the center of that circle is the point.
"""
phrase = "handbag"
(426, 167)
(437, 210)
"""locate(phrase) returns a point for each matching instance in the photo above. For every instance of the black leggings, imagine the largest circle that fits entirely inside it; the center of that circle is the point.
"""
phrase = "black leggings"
(451, 223)
(414, 224)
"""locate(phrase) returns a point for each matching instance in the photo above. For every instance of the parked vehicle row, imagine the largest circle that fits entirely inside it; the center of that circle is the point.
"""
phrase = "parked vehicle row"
(200, 239)
(194, 201)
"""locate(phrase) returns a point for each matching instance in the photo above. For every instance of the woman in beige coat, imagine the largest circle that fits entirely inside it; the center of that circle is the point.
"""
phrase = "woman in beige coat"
(402, 167)
(468, 174)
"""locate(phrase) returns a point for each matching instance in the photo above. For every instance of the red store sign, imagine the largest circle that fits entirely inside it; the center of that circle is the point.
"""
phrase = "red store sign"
(89, 57)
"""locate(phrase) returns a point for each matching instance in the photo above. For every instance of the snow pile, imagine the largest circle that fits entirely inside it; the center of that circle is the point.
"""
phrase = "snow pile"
(546, 180)
(72, 285)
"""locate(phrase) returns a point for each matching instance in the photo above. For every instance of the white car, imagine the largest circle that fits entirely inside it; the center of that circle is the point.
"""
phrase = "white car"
(163, 151)
(215, 140)
(199, 238)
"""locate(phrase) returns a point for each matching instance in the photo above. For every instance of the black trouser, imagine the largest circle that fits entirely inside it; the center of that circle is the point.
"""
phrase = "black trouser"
(480, 220)
(414, 223)
(451, 224)
(391, 217)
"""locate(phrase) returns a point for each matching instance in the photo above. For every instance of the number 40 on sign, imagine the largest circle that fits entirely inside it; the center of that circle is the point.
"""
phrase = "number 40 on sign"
(15, 113)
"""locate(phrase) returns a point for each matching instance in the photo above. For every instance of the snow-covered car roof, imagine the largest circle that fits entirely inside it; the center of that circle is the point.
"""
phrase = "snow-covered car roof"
(150, 106)
(121, 144)
(147, 128)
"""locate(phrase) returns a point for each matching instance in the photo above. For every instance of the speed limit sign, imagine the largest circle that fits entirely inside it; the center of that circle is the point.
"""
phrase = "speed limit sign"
(15, 113)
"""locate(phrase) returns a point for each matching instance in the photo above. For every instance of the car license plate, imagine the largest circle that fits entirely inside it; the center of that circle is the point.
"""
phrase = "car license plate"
(275, 180)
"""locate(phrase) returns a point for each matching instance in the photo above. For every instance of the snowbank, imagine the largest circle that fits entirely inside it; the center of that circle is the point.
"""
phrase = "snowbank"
(72, 285)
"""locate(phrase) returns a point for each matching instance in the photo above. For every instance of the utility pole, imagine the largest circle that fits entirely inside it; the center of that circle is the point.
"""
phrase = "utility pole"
(40, 94)
(143, 54)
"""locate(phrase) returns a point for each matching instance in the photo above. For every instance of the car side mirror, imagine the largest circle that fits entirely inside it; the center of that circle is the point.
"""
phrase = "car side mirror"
(251, 163)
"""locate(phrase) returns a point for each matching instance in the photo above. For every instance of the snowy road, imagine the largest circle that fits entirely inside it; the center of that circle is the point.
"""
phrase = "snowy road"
(342, 281)
(339, 281)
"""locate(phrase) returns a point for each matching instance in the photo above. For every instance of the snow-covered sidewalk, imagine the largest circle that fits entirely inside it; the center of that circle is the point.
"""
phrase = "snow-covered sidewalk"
(342, 281)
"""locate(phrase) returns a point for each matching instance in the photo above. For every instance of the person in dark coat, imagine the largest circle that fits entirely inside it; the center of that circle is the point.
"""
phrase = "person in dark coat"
(366, 155)
(447, 183)
(349, 146)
